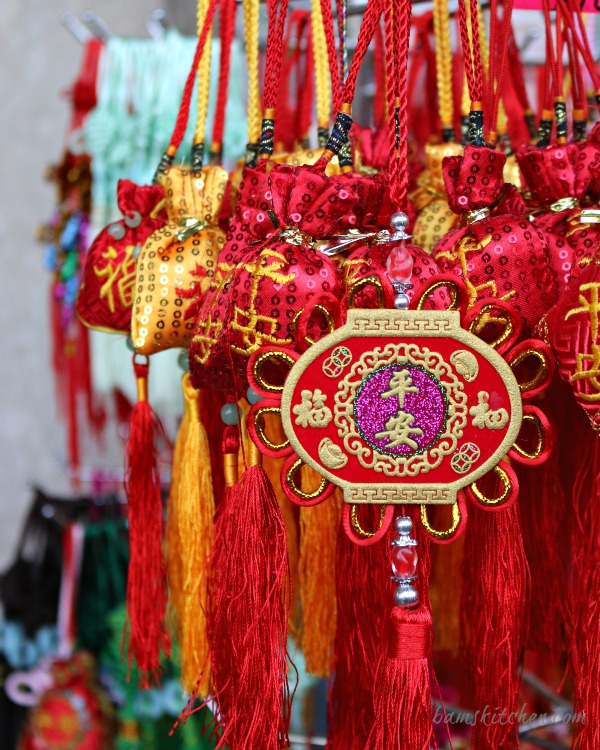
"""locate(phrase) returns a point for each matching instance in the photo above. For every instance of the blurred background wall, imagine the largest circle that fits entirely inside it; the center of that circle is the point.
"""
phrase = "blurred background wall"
(38, 60)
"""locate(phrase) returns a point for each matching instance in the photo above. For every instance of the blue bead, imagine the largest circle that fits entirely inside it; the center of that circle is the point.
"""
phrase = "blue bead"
(252, 396)
(183, 360)
(230, 414)
(46, 639)
(147, 704)
(129, 342)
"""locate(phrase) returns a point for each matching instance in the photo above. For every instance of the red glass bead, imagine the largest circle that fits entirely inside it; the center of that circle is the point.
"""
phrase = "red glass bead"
(399, 264)
(404, 561)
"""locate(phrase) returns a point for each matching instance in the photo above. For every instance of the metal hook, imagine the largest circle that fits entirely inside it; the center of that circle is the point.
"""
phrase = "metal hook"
(96, 25)
(74, 26)
(158, 22)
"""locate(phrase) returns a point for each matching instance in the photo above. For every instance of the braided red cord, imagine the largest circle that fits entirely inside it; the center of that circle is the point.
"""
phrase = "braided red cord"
(184, 108)
(397, 16)
(550, 55)
(478, 73)
(580, 37)
(518, 77)
(466, 47)
(366, 33)
(405, 15)
(500, 64)
(560, 45)
(327, 13)
(275, 39)
(289, 63)
(379, 75)
(578, 92)
(227, 23)
(493, 61)
(305, 88)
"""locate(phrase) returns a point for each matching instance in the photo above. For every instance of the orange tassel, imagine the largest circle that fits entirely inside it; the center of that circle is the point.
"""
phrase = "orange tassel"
(318, 538)
(146, 580)
(193, 519)
(172, 550)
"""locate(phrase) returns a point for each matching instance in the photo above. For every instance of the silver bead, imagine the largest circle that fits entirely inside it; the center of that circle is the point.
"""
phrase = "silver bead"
(401, 301)
(406, 596)
(399, 221)
(403, 525)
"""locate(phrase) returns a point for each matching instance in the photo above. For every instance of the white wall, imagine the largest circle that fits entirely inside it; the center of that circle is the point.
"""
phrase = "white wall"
(38, 60)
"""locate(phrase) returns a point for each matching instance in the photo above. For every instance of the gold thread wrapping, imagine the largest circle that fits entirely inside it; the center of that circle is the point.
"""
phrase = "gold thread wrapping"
(260, 427)
(506, 489)
(540, 438)
(540, 374)
(484, 318)
(450, 286)
(446, 533)
(356, 525)
(296, 488)
(257, 369)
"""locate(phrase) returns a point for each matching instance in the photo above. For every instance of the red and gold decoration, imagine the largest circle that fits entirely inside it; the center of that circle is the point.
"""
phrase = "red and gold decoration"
(401, 407)
(358, 407)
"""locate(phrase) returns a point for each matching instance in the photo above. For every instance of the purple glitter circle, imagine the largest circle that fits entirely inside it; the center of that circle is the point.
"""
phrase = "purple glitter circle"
(395, 430)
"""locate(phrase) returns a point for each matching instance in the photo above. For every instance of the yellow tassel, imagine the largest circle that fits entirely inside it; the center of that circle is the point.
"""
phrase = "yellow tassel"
(172, 551)
(318, 536)
(193, 518)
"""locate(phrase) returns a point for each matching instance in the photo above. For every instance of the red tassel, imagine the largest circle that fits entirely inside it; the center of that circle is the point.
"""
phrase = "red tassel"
(495, 591)
(585, 595)
(402, 698)
(361, 611)
(542, 512)
(249, 598)
(146, 580)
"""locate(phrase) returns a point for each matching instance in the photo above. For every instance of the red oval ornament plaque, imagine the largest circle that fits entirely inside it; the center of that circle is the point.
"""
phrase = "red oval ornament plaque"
(401, 406)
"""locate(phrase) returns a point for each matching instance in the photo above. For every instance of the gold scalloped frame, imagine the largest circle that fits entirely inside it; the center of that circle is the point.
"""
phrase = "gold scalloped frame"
(394, 324)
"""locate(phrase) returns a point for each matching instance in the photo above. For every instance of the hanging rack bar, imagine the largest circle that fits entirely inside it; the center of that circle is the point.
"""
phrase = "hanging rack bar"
(74, 26)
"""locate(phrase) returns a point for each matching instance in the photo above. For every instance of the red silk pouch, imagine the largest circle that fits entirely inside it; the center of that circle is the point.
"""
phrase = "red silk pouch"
(559, 177)
(270, 275)
(363, 247)
(105, 297)
(499, 255)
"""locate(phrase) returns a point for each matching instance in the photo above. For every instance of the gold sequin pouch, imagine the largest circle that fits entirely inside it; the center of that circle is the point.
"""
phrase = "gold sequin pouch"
(179, 256)
(435, 218)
